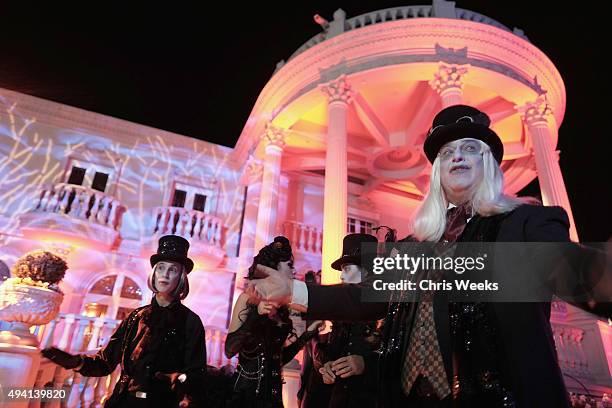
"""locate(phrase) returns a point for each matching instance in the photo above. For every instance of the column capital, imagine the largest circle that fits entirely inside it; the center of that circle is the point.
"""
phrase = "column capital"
(252, 172)
(274, 136)
(448, 77)
(338, 90)
(535, 112)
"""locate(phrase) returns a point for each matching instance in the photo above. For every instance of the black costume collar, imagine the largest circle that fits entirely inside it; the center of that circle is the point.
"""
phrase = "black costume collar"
(171, 306)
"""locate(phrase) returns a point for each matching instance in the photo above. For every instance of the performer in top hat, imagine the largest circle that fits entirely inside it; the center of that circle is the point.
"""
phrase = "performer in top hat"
(160, 347)
(349, 354)
(438, 353)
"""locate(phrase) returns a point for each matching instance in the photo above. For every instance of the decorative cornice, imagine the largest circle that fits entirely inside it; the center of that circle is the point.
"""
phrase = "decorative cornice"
(338, 90)
(274, 136)
(536, 112)
(449, 76)
(403, 42)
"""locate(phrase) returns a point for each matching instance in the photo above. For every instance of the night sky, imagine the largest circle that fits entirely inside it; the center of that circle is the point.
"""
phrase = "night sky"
(197, 71)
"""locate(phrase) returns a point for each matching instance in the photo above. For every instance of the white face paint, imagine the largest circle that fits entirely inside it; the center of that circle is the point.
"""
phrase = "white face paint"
(286, 268)
(351, 273)
(461, 169)
(166, 276)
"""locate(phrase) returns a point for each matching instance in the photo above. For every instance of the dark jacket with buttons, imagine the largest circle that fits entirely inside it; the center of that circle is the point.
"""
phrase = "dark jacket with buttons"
(527, 355)
(153, 339)
(345, 339)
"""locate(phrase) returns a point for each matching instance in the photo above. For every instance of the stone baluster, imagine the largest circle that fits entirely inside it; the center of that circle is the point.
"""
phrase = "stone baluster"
(74, 395)
(304, 234)
(197, 229)
(75, 206)
(581, 360)
(158, 216)
(561, 346)
(89, 389)
(77, 338)
(102, 216)
(52, 204)
(180, 223)
(93, 212)
(85, 201)
(95, 335)
(170, 221)
(69, 320)
(47, 338)
(205, 227)
(112, 216)
(66, 192)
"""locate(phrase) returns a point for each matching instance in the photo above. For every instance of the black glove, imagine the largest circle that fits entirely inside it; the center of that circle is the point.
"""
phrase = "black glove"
(62, 358)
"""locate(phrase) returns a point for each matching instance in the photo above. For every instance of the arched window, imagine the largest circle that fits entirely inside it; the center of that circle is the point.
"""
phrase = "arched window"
(113, 296)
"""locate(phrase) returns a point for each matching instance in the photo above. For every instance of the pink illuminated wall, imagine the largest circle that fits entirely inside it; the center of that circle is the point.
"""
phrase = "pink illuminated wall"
(41, 140)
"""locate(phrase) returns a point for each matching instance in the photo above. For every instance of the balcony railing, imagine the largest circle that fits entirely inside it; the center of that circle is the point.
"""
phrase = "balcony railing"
(78, 334)
(203, 231)
(81, 203)
(193, 225)
(83, 334)
(303, 237)
(342, 24)
(74, 215)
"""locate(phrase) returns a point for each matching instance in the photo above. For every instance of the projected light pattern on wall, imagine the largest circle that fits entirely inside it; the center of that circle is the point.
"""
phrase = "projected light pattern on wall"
(104, 188)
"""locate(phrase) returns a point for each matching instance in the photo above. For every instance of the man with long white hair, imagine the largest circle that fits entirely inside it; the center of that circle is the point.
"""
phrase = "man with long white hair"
(442, 353)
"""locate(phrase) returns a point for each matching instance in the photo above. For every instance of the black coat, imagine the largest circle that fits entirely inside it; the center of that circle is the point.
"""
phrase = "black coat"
(313, 392)
(346, 339)
(153, 339)
(528, 353)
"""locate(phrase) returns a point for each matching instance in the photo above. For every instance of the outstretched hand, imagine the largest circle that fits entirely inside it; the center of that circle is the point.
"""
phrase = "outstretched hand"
(275, 287)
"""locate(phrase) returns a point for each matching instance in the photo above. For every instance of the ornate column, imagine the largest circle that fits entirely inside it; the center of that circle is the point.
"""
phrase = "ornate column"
(274, 141)
(448, 83)
(535, 116)
(339, 95)
(251, 179)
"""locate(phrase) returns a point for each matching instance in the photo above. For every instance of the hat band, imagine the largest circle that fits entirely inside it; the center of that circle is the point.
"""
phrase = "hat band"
(461, 119)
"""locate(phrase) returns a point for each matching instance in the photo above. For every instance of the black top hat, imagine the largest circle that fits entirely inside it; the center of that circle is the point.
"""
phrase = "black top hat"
(173, 248)
(459, 122)
(351, 249)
